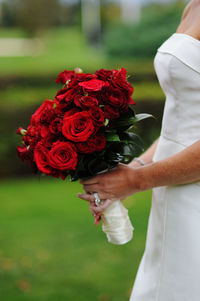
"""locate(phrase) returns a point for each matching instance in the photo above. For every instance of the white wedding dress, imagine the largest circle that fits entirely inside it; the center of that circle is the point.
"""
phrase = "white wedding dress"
(170, 267)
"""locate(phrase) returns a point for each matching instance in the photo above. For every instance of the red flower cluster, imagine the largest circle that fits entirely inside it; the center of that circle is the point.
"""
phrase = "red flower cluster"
(73, 124)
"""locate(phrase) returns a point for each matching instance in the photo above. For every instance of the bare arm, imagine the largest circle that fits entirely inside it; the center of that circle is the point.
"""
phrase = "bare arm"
(147, 156)
(181, 168)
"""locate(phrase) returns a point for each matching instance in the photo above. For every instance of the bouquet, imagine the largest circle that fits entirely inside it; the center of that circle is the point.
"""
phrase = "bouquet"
(86, 129)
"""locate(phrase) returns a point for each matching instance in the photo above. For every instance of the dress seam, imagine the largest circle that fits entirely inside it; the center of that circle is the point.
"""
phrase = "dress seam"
(173, 140)
(163, 248)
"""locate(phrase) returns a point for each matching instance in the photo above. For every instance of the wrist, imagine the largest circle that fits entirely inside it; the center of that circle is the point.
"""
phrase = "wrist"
(135, 179)
(142, 178)
(139, 161)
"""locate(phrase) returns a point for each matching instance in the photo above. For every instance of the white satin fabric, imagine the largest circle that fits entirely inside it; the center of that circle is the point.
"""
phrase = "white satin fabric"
(116, 224)
(170, 267)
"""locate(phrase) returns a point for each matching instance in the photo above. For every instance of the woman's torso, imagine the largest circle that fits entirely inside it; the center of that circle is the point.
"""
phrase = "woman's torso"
(177, 65)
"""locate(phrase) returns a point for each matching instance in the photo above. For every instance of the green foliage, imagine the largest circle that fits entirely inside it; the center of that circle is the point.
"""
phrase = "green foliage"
(8, 16)
(50, 249)
(35, 16)
(157, 24)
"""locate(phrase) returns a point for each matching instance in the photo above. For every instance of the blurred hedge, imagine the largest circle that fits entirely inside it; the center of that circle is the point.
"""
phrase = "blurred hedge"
(158, 22)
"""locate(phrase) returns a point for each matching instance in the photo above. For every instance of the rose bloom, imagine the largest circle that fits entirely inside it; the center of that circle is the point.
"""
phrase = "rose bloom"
(111, 112)
(67, 96)
(44, 114)
(118, 101)
(85, 102)
(64, 76)
(93, 84)
(97, 115)
(44, 131)
(78, 127)
(24, 152)
(56, 126)
(94, 144)
(41, 159)
(104, 74)
(63, 156)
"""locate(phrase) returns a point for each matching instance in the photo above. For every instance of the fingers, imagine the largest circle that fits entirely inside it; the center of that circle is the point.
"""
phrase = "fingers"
(89, 197)
(102, 207)
(86, 197)
(95, 210)
(92, 187)
(89, 181)
(97, 220)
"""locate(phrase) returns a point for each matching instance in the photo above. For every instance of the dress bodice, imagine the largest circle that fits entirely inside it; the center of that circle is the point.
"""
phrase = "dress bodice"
(177, 65)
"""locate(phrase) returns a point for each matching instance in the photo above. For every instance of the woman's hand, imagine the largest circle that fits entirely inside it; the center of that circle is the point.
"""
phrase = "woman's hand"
(117, 184)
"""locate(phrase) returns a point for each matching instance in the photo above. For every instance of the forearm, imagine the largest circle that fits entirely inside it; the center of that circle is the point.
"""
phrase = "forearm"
(147, 156)
(181, 168)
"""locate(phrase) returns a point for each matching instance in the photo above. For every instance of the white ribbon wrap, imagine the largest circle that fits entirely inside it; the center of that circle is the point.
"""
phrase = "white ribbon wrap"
(117, 224)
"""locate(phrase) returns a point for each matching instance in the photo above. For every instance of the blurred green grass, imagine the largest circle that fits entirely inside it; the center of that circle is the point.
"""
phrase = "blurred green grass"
(65, 48)
(50, 249)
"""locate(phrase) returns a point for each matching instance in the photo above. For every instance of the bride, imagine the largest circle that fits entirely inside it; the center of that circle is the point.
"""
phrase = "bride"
(170, 267)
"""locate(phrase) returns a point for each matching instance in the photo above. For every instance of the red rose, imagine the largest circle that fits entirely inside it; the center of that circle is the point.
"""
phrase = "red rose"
(21, 131)
(97, 116)
(120, 102)
(104, 74)
(93, 84)
(61, 108)
(33, 131)
(67, 95)
(32, 136)
(64, 76)
(41, 159)
(44, 114)
(100, 142)
(80, 77)
(56, 126)
(94, 143)
(24, 152)
(63, 156)
(49, 140)
(78, 127)
(71, 112)
(44, 131)
(111, 112)
(85, 102)
(119, 82)
(131, 101)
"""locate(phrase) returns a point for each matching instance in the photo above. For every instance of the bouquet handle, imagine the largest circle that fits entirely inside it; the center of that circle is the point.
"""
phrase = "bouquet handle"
(116, 224)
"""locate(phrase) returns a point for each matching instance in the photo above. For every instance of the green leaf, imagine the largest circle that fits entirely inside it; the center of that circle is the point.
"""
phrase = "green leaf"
(129, 120)
(124, 123)
(129, 137)
(142, 116)
(132, 107)
(106, 122)
(110, 136)
(97, 165)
